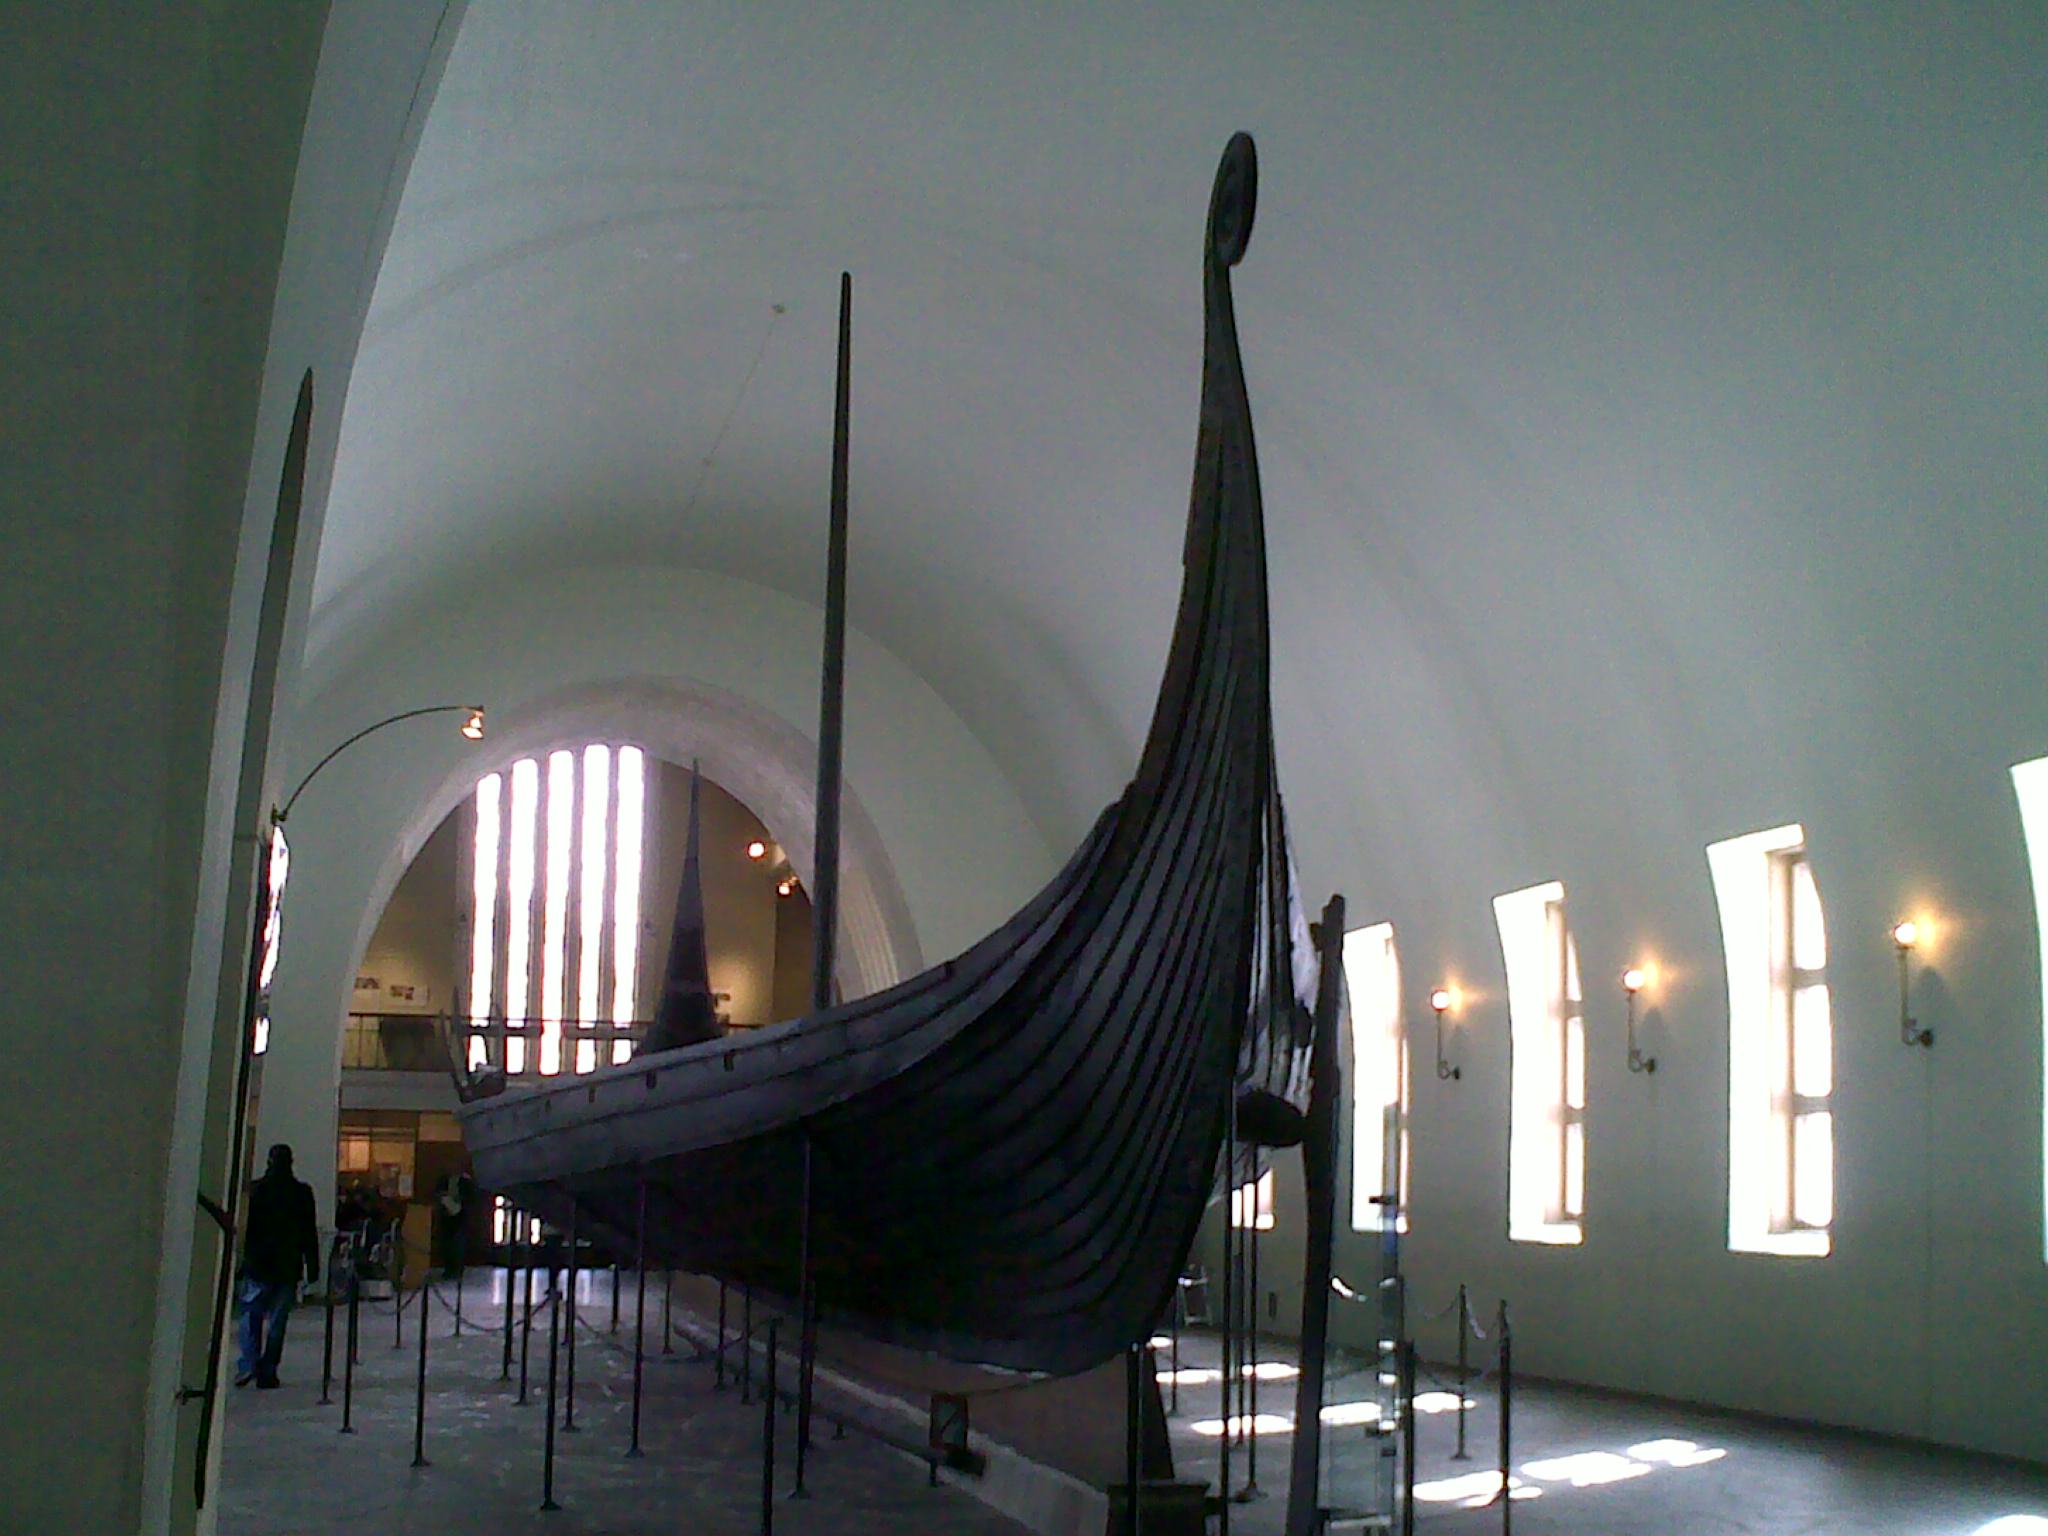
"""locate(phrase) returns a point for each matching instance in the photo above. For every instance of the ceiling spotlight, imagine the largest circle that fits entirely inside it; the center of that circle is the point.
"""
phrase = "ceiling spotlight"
(473, 723)
(757, 849)
(786, 886)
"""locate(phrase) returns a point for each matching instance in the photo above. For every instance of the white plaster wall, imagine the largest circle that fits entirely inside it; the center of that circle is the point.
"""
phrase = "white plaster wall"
(958, 845)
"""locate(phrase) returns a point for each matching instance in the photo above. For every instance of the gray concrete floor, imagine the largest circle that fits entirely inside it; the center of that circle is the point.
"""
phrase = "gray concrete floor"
(287, 1471)
(1598, 1464)
(1585, 1463)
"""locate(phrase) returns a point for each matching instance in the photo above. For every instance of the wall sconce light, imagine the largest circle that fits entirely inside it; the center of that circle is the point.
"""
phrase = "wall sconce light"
(1633, 980)
(757, 849)
(473, 723)
(786, 886)
(1442, 1001)
(1906, 936)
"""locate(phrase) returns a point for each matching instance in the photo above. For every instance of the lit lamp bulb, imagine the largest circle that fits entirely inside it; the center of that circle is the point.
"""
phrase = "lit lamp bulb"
(786, 886)
(1906, 933)
(757, 849)
(1441, 1000)
(1633, 980)
(473, 723)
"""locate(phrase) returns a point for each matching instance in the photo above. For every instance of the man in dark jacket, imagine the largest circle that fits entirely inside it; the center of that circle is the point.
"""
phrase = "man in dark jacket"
(280, 1243)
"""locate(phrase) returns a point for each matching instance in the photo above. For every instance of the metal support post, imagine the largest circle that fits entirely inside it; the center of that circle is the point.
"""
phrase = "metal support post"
(397, 1294)
(768, 1439)
(668, 1277)
(547, 1465)
(569, 1400)
(805, 1302)
(1464, 1370)
(1228, 1320)
(615, 1295)
(639, 1310)
(718, 1378)
(348, 1367)
(1407, 1412)
(1250, 1490)
(1507, 1398)
(1133, 1412)
(1173, 1380)
(419, 1394)
(458, 1306)
(746, 1343)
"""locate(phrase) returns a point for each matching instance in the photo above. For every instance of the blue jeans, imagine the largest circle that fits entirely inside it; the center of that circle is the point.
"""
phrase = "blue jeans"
(265, 1308)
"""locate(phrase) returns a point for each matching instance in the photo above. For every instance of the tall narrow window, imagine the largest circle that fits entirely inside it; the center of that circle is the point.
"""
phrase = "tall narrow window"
(2030, 783)
(1251, 1205)
(1781, 1158)
(275, 871)
(555, 908)
(483, 937)
(1379, 1070)
(626, 920)
(1546, 1068)
(590, 914)
(519, 907)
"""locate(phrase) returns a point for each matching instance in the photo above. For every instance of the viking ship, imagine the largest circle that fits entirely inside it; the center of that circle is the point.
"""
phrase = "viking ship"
(1005, 1159)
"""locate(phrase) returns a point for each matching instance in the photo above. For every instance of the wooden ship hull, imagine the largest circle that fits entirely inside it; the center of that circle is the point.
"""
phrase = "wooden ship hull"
(1008, 1155)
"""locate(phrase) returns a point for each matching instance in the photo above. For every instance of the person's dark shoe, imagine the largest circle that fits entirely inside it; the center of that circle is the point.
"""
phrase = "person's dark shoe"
(268, 1384)
(245, 1378)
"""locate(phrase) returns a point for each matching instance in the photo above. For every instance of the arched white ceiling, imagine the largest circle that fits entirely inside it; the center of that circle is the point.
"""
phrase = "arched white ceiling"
(1697, 351)
(1654, 416)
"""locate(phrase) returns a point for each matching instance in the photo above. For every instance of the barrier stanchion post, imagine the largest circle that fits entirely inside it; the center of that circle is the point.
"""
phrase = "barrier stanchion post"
(348, 1365)
(639, 1308)
(569, 1398)
(355, 1270)
(526, 1320)
(419, 1399)
(718, 1376)
(1507, 1398)
(547, 1465)
(1464, 1369)
(668, 1344)
(397, 1268)
(327, 1332)
(504, 1367)
(768, 1438)
(459, 1275)
(1407, 1411)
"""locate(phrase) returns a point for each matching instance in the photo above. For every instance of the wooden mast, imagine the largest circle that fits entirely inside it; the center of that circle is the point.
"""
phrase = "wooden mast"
(831, 705)
(825, 863)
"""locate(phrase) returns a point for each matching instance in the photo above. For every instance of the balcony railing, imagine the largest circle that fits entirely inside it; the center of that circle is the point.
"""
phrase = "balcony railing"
(393, 1042)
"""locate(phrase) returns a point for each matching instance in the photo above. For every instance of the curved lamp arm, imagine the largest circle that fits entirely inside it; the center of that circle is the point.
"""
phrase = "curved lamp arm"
(472, 727)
